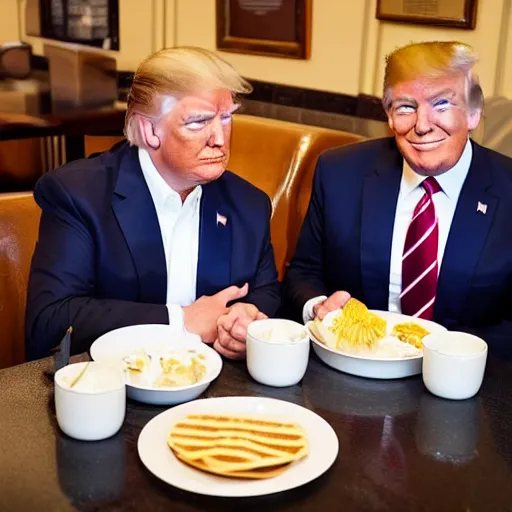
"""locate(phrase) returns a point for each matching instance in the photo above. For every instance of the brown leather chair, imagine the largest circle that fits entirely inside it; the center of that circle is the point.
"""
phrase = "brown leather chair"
(279, 158)
(19, 223)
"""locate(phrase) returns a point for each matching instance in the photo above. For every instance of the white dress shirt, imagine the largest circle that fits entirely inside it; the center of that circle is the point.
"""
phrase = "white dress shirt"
(179, 227)
(411, 191)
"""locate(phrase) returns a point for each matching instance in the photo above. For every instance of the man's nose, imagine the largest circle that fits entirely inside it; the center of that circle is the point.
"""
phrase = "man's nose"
(423, 123)
(217, 133)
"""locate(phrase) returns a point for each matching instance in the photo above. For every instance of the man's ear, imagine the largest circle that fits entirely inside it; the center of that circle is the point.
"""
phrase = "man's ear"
(474, 119)
(390, 122)
(148, 132)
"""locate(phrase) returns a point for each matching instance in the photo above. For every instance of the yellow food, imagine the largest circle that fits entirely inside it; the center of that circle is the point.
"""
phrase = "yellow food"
(237, 446)
(356, 328)
(410, 332)
(138, 362)
(178, 373)
(169, 369)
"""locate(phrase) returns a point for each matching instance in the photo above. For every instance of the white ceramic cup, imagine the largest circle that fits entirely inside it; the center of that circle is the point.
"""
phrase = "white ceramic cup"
(277, 352)
(453, 364)
(94, 408)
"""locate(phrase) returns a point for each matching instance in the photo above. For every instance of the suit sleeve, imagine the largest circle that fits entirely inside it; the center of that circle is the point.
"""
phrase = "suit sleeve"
(62, 281)
(305, 276)
(265, 289)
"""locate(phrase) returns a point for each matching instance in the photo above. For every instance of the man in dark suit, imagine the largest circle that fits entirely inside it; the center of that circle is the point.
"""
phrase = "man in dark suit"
(155, 230)
(418, 223)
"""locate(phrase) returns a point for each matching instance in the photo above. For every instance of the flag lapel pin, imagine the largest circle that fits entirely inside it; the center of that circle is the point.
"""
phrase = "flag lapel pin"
(221, 219)
(481, 208)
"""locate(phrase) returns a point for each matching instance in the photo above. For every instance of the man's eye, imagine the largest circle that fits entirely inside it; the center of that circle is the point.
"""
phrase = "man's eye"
(441, 104)
(196, 125)
(226, 119)
(404, 109)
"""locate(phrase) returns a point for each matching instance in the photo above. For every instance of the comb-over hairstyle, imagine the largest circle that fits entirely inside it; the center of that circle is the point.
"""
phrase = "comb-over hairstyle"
(173, 72)
(430, 60)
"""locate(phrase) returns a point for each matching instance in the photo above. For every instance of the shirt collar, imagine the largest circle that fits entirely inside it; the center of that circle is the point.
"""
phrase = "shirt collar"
(160, 191)
(450, 181)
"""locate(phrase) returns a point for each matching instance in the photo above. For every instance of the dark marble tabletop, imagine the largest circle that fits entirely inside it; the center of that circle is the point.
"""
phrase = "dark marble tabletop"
(400, 448)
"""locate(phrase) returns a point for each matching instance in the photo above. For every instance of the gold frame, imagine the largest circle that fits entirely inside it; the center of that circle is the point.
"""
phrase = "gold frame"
(389, 10)
(298, 49)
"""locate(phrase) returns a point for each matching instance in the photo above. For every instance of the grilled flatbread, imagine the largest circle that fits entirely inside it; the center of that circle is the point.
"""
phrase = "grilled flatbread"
(237, 446)
(254, 474)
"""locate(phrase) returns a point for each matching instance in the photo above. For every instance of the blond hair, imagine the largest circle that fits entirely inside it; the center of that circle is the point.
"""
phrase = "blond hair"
(173, 72)
(432, 59)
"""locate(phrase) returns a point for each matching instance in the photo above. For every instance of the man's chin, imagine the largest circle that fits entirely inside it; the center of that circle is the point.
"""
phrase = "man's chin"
(428, 168)
(212, 171)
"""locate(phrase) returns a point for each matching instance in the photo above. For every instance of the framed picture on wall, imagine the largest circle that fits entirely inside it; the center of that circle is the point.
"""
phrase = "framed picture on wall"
(447, 13)
(278, 28)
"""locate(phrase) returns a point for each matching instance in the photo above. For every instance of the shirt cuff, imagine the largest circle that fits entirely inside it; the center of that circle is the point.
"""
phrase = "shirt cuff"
(307, 310)
(176, 317)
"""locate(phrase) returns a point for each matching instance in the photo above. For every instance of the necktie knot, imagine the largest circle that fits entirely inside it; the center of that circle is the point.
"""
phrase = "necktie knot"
(431, 186)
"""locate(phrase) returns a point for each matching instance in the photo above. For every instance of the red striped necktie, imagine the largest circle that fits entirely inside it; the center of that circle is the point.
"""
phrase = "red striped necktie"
(419, 260)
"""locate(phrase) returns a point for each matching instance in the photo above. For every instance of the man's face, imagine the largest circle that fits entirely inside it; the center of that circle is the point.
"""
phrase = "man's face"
(431, 122)
(195, 138)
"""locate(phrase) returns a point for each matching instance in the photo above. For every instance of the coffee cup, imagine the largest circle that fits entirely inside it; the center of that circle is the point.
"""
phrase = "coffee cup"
(277, 351)
(453, 364)
(90, 400)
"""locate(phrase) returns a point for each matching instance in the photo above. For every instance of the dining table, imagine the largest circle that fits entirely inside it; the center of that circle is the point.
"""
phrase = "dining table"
(400, 447)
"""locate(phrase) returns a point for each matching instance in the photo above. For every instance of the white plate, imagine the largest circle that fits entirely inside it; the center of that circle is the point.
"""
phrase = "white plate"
(159, 459)
(113, 346)
(372, 367)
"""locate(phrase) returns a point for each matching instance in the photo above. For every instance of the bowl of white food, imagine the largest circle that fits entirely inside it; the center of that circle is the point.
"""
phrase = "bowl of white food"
(389, 359)
(162, 366)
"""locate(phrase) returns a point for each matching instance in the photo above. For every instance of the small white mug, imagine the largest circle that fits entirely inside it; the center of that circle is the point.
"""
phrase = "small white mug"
(453, 364)
(277, 351)
(94, 407)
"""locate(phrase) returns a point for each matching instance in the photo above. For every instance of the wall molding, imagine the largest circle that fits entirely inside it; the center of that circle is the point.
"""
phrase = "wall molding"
(363, 106)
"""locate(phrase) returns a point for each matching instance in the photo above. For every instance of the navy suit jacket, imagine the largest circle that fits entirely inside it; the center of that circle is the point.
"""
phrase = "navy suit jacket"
(345, 243)
(99, 263)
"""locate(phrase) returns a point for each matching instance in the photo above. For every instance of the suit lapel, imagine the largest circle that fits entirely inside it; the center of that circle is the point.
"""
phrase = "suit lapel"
(214, 258)
(380, 195)
(466, 240)
(136, 214)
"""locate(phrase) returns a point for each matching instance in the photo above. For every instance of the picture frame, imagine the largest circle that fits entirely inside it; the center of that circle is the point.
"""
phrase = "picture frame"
(446, 13)
(275, 28)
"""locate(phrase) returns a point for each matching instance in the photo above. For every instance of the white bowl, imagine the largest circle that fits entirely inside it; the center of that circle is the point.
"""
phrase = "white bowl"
(372, 367)
(115, 345)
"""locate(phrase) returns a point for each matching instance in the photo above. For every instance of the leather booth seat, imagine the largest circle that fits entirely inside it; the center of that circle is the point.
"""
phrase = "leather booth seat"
(279, 158)
(19, 223)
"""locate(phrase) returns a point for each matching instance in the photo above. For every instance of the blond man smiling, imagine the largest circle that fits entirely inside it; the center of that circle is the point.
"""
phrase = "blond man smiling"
(418, 223)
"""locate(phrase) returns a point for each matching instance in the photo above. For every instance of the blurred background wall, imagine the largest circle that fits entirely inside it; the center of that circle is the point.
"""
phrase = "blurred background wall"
(347, 50)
